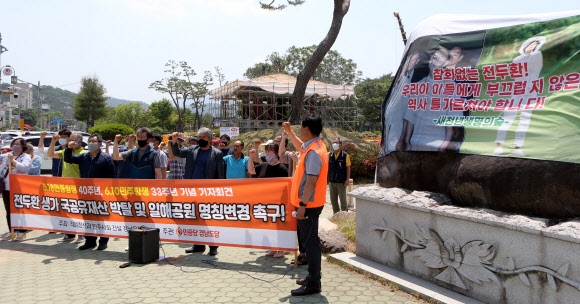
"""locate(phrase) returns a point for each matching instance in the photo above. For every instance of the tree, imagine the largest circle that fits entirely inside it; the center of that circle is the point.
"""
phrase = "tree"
(132, 115)
(162, 111)
(333, 69)
(177, 85)
(370, 94)
(199, 92)
(30, 116)
(340, 9)
(90, 102)
(274, 63)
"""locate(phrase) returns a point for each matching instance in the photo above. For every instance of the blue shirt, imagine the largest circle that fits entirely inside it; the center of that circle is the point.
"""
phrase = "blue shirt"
(200, 162)
(236, 168)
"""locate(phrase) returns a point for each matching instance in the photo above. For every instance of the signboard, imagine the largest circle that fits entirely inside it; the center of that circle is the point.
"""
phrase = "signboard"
(185, 211)
(231, 131)
(7, 71)
(491, 86)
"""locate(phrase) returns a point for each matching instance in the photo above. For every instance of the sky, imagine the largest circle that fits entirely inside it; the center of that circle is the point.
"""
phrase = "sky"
(126, 43)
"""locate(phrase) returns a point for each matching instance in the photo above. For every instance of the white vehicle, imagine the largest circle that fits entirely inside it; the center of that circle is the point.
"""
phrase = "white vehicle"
(46, 161)
(8, 136)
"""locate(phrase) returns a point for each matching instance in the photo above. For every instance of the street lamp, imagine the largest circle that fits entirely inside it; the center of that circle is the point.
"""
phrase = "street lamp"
(2, 50)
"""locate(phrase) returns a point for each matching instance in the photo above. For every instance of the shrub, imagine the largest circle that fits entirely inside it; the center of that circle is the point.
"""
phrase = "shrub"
(363, 161)
(108, 131)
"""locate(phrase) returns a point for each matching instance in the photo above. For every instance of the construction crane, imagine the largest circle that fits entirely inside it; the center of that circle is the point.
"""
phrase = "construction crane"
(403, 33)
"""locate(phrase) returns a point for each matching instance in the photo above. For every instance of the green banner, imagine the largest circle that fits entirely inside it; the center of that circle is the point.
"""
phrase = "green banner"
(508, 91)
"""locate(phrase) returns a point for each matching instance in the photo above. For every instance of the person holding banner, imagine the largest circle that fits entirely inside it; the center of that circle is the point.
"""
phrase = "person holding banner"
(308, 195)
(36, 160)
(95, 164)
(68, 170)
(271, 168)
(16, 162)
(143, 162)
(201, 162)
(236, 164)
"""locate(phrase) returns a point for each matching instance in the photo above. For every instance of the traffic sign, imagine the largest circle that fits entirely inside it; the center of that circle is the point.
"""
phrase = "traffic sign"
(21, 116)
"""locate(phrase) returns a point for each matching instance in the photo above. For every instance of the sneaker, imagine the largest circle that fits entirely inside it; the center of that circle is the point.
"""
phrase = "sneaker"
(65, 238)
(20, 236)
(80, 239)
(271, 253)
(6, 236)
(498, 151)
(102, 247)
(278, 254)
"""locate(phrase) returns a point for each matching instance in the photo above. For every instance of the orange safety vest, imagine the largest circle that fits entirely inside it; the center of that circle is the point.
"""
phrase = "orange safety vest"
(320, 189)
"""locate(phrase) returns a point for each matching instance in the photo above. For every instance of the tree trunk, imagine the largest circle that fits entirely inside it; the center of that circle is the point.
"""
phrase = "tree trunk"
(296, 112)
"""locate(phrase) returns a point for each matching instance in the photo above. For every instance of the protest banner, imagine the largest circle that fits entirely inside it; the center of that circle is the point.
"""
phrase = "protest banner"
(502, 87)
(253, 213)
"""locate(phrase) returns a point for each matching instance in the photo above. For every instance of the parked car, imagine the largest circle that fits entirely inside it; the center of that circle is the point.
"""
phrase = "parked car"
(46, 161)
(8, 136)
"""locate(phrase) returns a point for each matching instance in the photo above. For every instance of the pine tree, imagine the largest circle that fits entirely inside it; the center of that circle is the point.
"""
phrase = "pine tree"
(90, 102)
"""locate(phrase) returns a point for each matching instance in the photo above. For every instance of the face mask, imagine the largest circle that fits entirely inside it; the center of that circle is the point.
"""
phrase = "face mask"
(142, 143)
(271, 159)
(151, 145)
(92, 147)
(16, 149)
(62, 141)
(335, 146)
(202, 143)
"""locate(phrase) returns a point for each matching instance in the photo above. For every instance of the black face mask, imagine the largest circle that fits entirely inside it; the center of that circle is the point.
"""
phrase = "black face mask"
(202, 143)
(142, 143)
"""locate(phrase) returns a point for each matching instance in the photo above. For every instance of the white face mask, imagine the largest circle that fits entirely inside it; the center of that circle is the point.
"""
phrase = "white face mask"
(151, 145)
(335, 146)
(62, 141)
(271, 159)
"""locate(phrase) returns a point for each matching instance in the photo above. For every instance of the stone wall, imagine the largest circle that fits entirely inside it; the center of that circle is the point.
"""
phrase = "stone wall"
(484, 254)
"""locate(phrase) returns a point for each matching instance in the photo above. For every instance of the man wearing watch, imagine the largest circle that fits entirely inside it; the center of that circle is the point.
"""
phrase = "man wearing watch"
(308, 195)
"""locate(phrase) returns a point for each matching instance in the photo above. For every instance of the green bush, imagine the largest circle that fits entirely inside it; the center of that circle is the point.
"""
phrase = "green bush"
(158, 130)
(108, 131)
(363, 161)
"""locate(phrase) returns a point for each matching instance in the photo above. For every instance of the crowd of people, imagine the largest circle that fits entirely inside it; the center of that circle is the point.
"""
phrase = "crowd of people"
(312, 168)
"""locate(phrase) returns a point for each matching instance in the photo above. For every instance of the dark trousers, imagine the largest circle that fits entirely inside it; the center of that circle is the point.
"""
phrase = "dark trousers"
(203, 246)
(92, 240)
(311, 242)
(6, 199)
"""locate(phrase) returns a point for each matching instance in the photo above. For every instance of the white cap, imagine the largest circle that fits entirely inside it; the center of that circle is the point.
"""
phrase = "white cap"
(270, 141)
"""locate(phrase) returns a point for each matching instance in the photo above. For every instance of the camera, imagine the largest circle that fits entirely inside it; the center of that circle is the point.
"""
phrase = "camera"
(15, 94)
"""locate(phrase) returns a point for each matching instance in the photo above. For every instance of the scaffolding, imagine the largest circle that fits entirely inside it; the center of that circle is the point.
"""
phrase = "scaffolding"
(264, 103)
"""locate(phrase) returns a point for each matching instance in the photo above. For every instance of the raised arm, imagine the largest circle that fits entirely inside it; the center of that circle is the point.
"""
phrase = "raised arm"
(41, 149)
(116, 155)
(256, 157)
(51, 152)
(296, 142)
(251, 169)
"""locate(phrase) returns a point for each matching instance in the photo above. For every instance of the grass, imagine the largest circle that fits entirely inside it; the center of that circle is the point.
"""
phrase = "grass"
(347, 226)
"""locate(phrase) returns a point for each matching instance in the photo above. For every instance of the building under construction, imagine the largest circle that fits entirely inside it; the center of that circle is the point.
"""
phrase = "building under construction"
(264, 102)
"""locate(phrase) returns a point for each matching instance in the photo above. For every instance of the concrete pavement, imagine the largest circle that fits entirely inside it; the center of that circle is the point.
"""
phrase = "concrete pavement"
(42, 270)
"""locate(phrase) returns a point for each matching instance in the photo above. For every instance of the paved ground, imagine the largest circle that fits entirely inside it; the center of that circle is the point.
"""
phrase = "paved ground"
(41, 270)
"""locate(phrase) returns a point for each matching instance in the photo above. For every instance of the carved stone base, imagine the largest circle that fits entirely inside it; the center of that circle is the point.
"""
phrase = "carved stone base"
(484, 254)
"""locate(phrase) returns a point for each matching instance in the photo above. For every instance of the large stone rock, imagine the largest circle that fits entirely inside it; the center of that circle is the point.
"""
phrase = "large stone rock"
(332, 241)
(524, 186)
